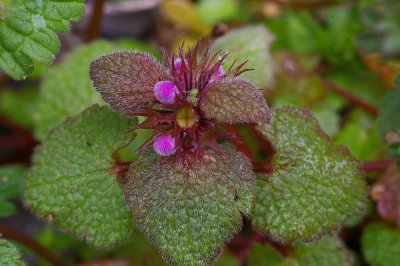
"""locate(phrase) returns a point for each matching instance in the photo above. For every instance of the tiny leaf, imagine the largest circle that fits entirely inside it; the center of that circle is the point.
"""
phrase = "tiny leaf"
(9, 255)
(27, 32)
(190, 213)
(315, 186)
(249, 43)
(389, 120)
(72, 183)
(325, 252)
(381, 245)
(10, 182)
(126, 80)
(234, 100)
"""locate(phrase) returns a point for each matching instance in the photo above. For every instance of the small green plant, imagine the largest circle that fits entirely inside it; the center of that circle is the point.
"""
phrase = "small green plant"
(189, 186)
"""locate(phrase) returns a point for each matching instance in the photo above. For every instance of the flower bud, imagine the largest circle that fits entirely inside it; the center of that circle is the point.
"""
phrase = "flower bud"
(164, 145)
(178, 64)
(166, 92)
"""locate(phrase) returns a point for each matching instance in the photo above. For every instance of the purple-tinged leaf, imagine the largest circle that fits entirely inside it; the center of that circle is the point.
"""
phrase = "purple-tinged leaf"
(126, 80)
(386, 193)
(234, 100)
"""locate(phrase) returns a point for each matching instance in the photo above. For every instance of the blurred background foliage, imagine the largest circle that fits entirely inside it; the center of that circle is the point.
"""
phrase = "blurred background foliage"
(340, 59)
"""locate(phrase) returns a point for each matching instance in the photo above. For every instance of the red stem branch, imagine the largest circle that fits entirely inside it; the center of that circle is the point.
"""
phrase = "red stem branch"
(352, 98)
(10, 233)
(377, 165)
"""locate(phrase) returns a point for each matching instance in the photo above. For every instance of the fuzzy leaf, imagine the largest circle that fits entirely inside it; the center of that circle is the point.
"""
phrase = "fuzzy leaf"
(27, 32)
(72, 183)
(234, 100)
(10, 180)
(386, 193)
(67, 88)
(325, 252)
(189, 214)
(126, 80)
(315, 186)
(381, 245)
(9, 255)
(389, 120)
(249, 43)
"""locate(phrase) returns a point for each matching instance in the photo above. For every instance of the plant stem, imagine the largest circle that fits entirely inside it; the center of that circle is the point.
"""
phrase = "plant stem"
(377, 165)
(352, 98)
(95, 21)
(10, 233)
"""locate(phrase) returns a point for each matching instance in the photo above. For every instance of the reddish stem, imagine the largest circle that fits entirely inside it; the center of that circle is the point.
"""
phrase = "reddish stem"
(29, 242)
(95, 21)
(377, 165)
(352, 98)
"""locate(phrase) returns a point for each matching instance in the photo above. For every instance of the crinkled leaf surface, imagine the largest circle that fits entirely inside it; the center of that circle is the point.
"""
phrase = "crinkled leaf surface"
(10, 183)
(189, 214)
(126, 80)
(386, 193)
(27, 32)
(71, 181)
(234, 100)
(249, 43)
(389, 118)
(315, 186)
(9, 255)
(67, 88)
(381, 245)
(325, 252)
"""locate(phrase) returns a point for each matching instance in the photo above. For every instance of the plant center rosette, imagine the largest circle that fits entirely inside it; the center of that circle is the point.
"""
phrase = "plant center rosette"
(186, 102)
(189, 194)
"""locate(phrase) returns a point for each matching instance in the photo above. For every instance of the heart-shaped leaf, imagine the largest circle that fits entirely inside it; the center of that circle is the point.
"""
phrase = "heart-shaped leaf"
(190, 212)
(72, 182)
(315, 186)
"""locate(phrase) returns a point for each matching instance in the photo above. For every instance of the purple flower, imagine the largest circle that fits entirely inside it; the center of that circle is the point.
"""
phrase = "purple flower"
(166, 92)
(164, 145)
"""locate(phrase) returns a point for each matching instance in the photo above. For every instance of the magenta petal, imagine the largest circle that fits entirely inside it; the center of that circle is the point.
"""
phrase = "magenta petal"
(178, 64)
(165, 92)
(164, 145)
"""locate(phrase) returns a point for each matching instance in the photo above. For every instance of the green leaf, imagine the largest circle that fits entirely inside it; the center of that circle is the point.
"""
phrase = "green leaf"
(249, 43)
(215, 11)
(67, 88)
(27, 32)
(315, 186)
(381, 245)
(189, 214)
(10, 182)
(9, 255)
(72, 182)
(325, 252)
(389, 118)
(19, 105)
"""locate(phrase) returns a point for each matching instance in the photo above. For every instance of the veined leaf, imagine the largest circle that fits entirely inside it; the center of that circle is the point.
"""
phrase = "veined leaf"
(9, 255)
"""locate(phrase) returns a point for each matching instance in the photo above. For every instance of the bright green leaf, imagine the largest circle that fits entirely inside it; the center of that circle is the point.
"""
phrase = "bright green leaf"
(325, 252)
(72, 183)
(9, 255)
(19, 105)
(249, 43)
(315, 186)
(215, 11)
(67, 88)
(27, 32)
(189, 214)
(381, 245)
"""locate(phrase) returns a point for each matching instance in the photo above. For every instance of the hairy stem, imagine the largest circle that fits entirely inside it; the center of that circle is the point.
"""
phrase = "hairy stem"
(95, 21)
(377, 165)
